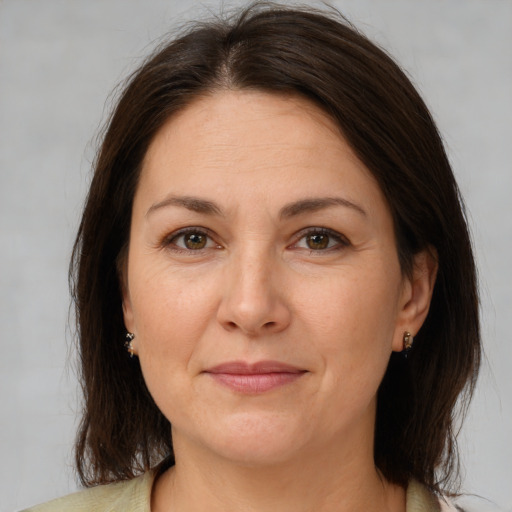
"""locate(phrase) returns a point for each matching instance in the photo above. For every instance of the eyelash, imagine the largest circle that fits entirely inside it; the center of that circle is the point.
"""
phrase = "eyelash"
(341, 241)
(169, 242)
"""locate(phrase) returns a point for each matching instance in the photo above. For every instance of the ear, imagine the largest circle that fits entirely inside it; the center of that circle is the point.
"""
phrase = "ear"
(122, 273)
(127, 311)
(416, 295)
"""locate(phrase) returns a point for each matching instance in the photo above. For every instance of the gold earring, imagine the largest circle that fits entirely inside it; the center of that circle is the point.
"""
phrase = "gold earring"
(129, 343)
(408, 341)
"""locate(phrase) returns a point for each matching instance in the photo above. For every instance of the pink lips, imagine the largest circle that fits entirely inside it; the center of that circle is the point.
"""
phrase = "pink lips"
(254, 378)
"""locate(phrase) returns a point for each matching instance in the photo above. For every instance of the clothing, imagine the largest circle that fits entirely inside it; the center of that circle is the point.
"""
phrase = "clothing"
(129, 496)
(135, 496)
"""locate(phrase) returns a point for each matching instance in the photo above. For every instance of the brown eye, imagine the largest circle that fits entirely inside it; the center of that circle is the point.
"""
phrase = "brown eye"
(317, 241)
(195, 241)
(189, 240)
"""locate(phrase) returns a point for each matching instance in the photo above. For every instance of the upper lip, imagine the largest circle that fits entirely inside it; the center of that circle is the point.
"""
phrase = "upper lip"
(260, 367)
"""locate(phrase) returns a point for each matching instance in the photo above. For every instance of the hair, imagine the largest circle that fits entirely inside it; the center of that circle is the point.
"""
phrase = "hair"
(320, 56)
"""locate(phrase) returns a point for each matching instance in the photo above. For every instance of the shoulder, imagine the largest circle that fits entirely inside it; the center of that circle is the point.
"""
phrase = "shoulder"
(421, 499)
(130, 496)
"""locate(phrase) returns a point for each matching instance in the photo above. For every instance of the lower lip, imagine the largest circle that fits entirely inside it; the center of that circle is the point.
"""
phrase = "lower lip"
(255, 383)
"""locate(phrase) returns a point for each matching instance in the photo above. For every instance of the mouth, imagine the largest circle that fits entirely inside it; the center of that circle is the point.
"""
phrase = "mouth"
(254, 378)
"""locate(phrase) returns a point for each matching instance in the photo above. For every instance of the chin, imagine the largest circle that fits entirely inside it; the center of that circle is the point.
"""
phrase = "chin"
(256, 441)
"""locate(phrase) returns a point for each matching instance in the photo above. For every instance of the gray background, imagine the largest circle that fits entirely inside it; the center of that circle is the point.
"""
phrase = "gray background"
(60, 59)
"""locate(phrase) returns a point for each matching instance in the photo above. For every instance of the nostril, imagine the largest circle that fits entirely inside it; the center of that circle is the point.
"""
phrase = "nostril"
(253, 317)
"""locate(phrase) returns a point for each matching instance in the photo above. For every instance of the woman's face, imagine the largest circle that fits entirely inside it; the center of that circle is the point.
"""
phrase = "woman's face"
(262, 281)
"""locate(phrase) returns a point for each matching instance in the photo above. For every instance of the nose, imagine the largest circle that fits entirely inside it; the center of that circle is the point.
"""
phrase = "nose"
(254, 297)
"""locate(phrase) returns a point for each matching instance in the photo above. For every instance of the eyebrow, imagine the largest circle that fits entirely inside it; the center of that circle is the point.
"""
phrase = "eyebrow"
(314, 204)
(205, 207)
(194, 204)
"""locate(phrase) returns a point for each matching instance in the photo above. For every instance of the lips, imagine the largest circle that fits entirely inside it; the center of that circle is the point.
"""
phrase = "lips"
(256, 377)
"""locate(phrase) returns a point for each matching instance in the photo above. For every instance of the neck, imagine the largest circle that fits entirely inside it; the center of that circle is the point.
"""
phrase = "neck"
(329, 481)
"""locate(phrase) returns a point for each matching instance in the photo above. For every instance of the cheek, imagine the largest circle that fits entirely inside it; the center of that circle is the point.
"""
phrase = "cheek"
(361, 312)
(171, 313)
(171, 318)
(352, 324)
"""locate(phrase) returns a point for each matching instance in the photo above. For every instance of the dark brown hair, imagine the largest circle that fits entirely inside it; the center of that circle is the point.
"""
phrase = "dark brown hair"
(319, 56)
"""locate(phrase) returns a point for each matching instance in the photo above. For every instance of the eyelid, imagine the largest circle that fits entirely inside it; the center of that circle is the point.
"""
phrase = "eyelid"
(342, 240)
(167, 241)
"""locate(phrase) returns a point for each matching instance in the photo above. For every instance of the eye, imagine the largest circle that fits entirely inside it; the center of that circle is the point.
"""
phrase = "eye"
(194, 241)
(190, 239)
(317, 241)
(321, 239)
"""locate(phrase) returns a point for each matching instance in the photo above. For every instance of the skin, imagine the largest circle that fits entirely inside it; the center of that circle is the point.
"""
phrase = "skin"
(259, 278)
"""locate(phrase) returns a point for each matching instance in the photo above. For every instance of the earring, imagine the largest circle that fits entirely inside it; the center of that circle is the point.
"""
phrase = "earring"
(408, 341)
(128, 343)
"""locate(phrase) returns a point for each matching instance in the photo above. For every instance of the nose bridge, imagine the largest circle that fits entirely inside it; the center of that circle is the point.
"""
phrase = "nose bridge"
(251, 288)
(254, 263)
(252, 300)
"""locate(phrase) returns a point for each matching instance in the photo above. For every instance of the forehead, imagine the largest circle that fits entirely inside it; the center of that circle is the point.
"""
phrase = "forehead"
(235, 118)
(241, 141)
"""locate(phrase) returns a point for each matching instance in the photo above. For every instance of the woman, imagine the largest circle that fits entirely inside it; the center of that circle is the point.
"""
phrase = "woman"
(275, 289)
